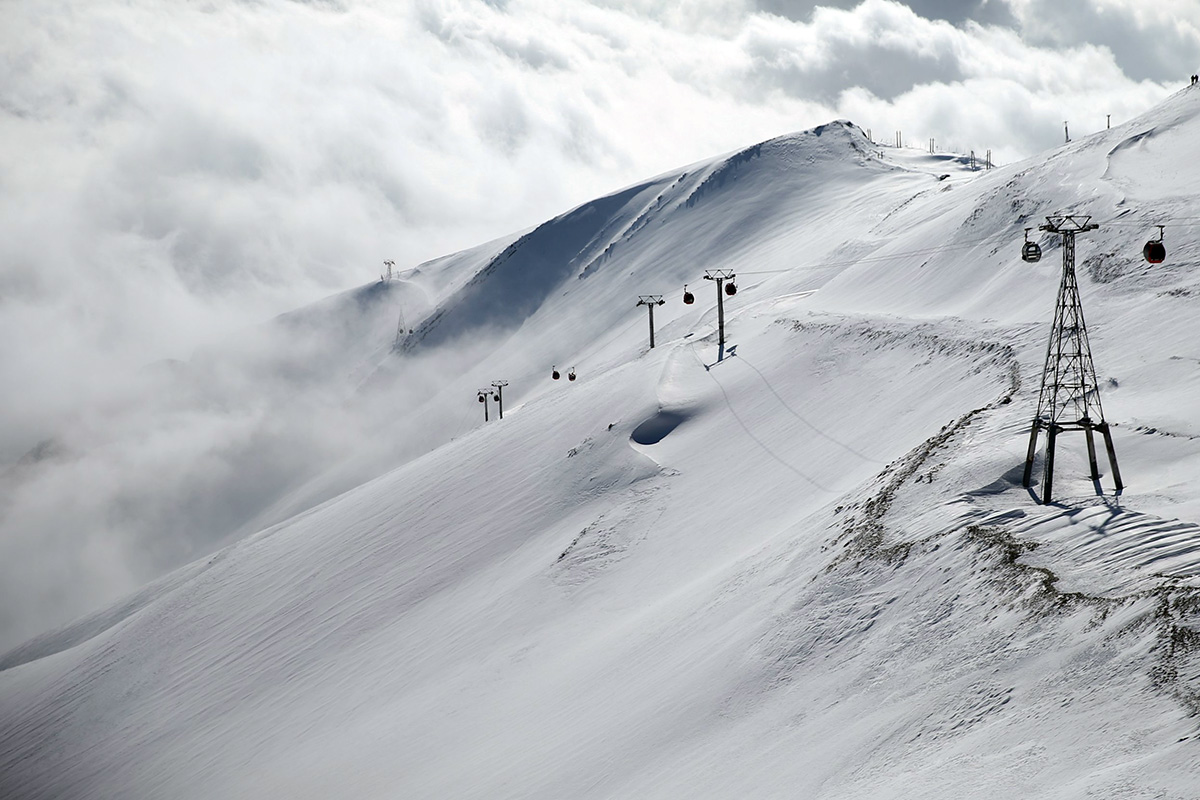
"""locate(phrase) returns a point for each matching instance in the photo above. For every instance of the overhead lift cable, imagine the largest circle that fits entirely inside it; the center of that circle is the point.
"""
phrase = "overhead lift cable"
(959, 245)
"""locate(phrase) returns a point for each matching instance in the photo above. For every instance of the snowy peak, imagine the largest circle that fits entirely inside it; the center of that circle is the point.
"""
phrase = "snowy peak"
(515, 283)
(710, 213)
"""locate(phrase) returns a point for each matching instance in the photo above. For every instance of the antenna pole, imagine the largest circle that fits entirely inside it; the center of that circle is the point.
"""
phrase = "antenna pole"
(1070, 396)
(650, 301)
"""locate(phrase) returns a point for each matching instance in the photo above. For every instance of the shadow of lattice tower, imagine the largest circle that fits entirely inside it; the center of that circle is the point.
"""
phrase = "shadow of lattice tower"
(1070, 397)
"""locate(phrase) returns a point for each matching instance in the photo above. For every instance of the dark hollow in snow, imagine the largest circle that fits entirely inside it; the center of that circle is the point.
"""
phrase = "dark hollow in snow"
(655, 429)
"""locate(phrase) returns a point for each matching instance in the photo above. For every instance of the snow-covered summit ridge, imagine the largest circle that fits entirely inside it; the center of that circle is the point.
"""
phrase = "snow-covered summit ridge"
(801, 567)
(514, 283)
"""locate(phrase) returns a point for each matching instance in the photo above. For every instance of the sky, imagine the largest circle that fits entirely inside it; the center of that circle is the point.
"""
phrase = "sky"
(172, 174)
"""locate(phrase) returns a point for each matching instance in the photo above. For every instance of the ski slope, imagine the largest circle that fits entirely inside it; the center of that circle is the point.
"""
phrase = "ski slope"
(801, 565)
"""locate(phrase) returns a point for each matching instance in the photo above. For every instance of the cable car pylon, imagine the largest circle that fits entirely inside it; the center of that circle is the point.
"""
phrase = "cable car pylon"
(483, 398)
(1070, 396)
(499, 396)
(719, 276)
(650, 301)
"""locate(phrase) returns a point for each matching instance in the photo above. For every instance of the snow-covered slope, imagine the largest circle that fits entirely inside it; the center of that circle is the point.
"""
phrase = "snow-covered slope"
(802, 566)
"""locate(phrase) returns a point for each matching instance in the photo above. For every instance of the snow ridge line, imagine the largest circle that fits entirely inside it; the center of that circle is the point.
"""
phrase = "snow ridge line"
(996, 353)
(638, 223)
(421, 331)
(863, 535)
(1174, 618)
(717, 178)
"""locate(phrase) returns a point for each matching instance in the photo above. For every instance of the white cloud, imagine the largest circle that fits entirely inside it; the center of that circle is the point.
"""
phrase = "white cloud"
(170, 174)
(1149, 41)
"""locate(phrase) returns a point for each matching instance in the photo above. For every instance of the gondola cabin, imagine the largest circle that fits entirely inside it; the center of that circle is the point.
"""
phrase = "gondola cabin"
(1030, 251)
(730, 289)
(1154, 251)
(688, 297)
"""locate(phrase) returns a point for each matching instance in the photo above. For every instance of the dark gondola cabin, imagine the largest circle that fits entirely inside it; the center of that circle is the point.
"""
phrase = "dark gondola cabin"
(1154, 251)
(688, 297)
(1030, 251)
(730, 289)
(554, 373)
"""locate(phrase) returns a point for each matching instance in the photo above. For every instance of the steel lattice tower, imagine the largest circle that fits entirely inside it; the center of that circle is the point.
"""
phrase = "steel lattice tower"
(1070, 396)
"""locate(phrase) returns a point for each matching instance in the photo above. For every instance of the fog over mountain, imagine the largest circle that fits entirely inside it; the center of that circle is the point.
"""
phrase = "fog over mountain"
(172, 178)
(799, 560)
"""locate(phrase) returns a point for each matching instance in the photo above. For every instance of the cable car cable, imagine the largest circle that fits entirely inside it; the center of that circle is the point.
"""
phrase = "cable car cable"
(637, 320)
(888, 257)
(967, 244)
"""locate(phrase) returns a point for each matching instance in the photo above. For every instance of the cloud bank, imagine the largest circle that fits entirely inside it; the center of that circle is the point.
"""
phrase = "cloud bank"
(172, 174)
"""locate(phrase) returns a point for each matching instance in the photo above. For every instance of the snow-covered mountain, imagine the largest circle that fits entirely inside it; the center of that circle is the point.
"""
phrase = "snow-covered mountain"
(802, 565)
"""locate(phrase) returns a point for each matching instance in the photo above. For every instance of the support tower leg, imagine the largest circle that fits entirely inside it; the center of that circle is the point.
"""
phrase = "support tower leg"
(1112, 454)
(1091, 445)
(1048, 481)
(1033, 437)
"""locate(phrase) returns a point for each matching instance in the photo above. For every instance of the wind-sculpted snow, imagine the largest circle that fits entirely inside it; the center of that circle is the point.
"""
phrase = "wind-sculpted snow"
(1144, 164)
(800, 565)
(516, 283)
(656, 428)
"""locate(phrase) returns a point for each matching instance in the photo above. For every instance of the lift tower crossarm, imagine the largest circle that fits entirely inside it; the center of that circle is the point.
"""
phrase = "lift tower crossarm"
(1068, 223)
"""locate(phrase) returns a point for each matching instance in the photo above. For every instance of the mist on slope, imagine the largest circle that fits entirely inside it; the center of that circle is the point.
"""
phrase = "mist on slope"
(168, 181)
(691, 576)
